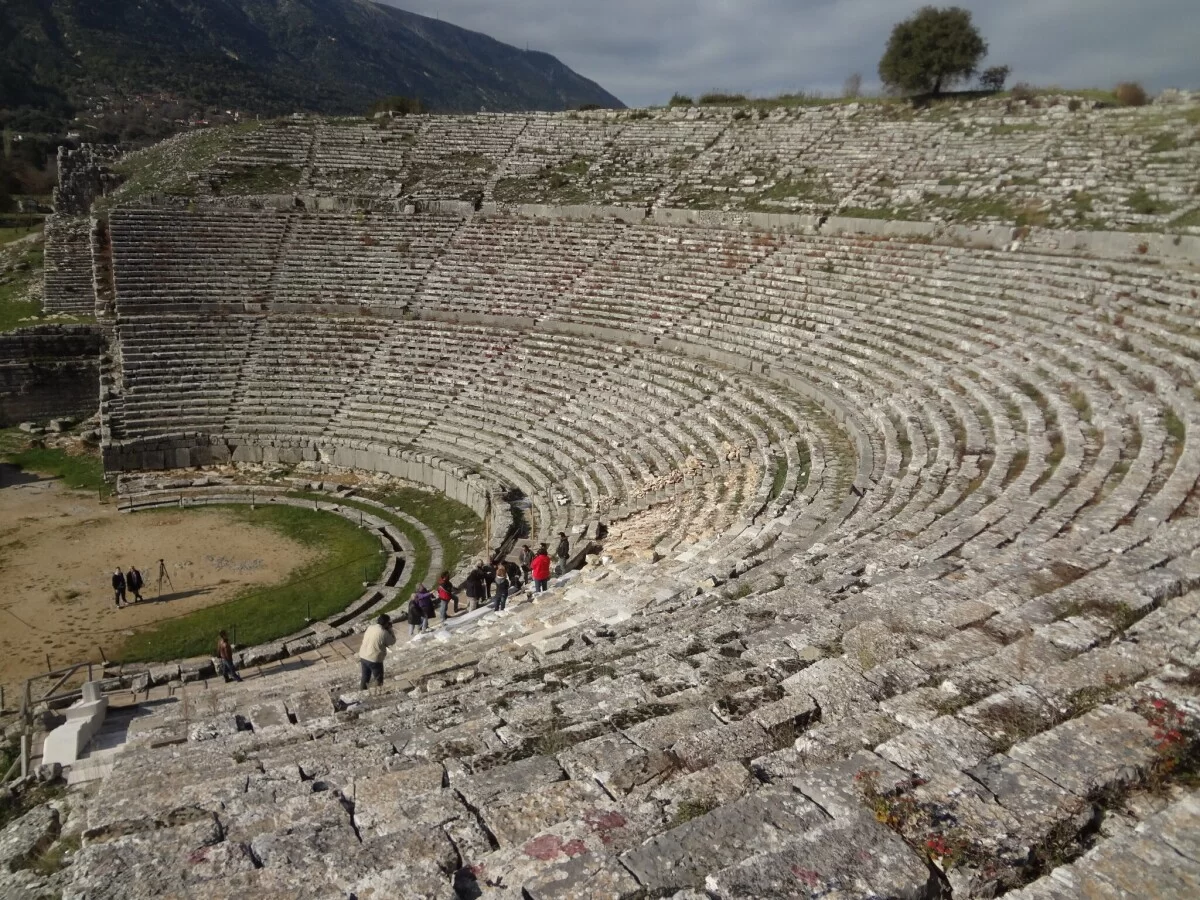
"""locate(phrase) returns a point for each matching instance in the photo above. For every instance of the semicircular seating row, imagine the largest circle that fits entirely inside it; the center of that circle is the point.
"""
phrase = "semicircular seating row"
(981, 637)
(990, 398)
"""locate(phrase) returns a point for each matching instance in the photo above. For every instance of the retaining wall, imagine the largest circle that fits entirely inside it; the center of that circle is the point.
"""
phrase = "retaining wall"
(49, 371)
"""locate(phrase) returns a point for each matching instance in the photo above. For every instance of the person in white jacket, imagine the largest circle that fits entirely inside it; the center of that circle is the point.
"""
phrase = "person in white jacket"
(373, 649)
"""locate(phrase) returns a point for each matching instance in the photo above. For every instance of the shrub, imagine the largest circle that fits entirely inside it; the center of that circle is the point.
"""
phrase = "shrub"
(853, 86)
(1023, 90)
(715, 98)
(680, 100)
(1130, 93)
(993, 78)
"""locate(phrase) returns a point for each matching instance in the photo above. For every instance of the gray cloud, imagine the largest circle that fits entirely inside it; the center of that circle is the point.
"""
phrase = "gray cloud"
(644, 50)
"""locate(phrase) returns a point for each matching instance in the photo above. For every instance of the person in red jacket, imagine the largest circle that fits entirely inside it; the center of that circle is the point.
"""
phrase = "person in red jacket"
(540, 569)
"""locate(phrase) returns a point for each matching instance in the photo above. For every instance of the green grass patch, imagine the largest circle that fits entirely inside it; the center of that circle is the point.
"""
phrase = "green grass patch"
(455, 524)
(272, 179)
(1176, 429)
(8, 235)
(169, 167)
(1187, 220)
(83, 473)
(457, 528)
(323, 587)
(1143, 203)
(778, 478)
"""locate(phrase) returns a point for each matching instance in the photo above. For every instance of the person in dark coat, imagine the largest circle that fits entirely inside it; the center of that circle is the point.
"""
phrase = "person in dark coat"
(562, 553)
(489, 579)
(134, 581)
(526, 559)
(474, 587)
(427, 600)
(118, 583)
(416, 620)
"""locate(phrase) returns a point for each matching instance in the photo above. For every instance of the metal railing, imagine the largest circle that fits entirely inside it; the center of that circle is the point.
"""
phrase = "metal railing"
(53, 694)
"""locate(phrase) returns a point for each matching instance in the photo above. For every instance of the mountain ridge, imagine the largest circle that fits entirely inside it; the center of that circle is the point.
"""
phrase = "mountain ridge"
(268, 57)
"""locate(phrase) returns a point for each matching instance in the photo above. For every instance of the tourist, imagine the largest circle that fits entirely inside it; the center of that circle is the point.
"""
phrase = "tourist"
(474, 586)
(445, 593)
(225, 658)
(427, 600)
(489, 577)
(118, 583)
(501, 600)
(373, 649)
(562, 553)
(134, 582)
(526, 559)
(539, 568)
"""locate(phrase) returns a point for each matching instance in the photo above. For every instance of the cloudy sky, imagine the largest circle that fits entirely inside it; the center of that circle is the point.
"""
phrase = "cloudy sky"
(644, 50)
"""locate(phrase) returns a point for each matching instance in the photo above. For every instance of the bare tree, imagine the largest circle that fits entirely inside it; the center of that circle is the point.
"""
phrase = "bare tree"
(853, 86)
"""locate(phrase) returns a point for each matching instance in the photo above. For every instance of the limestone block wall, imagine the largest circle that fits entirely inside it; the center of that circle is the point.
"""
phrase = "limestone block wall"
(181, 451)
(68, 265)
(84, 174)
(49, 371)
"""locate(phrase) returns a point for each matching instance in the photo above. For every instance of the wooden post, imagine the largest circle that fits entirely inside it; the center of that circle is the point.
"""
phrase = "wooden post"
(102, 656)
(49, 668)
(25, 755)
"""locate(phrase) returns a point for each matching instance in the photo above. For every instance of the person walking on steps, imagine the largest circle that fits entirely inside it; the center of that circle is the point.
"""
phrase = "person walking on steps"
(445, 593)
(118, 583)
(474, 587)
(539, 568)
(427, 600)
(501, 600)
(562, 553)
(134, 581)
(373, 649)
(225, 664)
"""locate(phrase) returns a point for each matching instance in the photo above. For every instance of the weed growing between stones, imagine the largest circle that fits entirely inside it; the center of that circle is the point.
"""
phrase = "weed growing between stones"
(1176, 747)
(692, 809)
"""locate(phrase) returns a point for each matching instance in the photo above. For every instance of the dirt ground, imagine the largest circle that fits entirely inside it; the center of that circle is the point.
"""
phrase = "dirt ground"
(58, 549)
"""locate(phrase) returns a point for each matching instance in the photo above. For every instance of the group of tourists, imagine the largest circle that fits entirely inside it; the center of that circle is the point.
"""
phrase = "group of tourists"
(489, 582)
(132, 582)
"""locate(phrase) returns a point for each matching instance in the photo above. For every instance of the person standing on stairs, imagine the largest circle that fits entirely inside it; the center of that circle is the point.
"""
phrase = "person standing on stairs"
(474, 587)
(526, 559)
(501, 600)
(225, 664)
(540, 570)
(373, 649)
(562, 554)
(445, 593)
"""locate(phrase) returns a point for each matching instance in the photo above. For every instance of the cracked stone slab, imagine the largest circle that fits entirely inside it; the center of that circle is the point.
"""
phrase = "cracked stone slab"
(762, 822)
(944, 743)
(1101, 747)
(27, 836)
(588, 876)
(838, 689)
(1037, 802)
(600, 757)
(383, 812)
(737, 740)
(516, 817)
(402, 781)
(509, 780)
(845, 858)
(661, 732)
(712, 787)
(838, 787)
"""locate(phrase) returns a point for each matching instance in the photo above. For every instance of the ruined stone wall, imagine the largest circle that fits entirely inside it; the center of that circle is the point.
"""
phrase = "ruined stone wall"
(84, 174)
(49, 371)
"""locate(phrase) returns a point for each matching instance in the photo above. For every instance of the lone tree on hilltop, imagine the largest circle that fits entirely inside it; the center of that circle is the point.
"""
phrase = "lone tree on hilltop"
(931, 51)
(993, 79)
